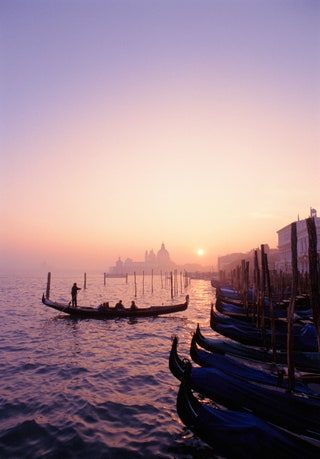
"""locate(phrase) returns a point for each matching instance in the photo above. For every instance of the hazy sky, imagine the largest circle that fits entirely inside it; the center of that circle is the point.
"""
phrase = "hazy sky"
(128, 123)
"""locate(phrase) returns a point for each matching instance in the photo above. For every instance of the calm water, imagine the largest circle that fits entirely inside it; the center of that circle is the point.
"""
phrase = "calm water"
(89, 388)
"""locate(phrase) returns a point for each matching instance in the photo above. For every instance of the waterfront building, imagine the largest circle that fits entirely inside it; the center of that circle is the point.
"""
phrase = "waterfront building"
(284, 245)
(279, 259)
(232, 261)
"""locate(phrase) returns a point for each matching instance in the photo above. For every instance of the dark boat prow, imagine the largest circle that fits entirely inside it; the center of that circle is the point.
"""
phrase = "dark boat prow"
(187, 404)
(177, 366)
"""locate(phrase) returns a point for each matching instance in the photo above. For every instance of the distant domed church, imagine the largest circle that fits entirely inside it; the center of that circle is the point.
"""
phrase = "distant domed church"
(156, 262)
(150, 257)
(163, 257)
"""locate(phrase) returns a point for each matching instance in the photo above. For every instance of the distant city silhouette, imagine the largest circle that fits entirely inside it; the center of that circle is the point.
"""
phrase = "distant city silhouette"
(156, 262)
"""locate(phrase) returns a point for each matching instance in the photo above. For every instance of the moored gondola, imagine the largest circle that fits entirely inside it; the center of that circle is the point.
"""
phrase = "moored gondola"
(265, 373)
(304, 361)
(238, 311)
(304, 338)
(295, 412)
(236, 434)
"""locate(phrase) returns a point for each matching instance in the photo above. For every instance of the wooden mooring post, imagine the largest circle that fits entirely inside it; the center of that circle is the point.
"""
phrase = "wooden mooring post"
(314, 275)
(135, 285)
(85, 281)
(175, 284)
(290, 338)
(48, 285)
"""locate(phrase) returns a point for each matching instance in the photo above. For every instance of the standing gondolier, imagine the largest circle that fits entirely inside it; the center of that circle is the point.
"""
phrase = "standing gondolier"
(74, 293)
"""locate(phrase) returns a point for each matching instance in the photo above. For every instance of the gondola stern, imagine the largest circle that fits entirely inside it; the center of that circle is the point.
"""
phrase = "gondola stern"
(212, 317)
(187, 405)
(199, 335)
(194, 348)
(177, 366)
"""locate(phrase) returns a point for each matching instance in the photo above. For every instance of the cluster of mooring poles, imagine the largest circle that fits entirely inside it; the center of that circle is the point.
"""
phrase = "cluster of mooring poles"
(262, 287)
(171, 277)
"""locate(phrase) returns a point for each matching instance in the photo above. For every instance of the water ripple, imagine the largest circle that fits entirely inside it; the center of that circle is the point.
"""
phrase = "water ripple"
(85, 388)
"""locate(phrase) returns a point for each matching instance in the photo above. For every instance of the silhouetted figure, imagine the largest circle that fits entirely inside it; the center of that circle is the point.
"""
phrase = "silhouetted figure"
(133, 306)
(119, 306)
(74, 293)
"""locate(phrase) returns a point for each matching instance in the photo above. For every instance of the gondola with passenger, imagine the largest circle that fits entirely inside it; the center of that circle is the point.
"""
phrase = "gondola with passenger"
(104, 311)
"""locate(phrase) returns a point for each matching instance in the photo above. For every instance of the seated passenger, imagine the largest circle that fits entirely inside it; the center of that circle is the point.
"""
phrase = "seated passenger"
(103, 306)
(119, 306)
(133, 306)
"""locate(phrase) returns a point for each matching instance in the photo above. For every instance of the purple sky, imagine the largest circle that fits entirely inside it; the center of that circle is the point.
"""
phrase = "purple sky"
(125, 124)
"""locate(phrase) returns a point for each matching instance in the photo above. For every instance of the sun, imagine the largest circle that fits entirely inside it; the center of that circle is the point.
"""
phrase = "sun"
(200, 252)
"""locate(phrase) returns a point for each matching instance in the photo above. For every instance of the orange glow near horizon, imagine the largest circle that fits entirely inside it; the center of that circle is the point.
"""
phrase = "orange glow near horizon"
(104, 141)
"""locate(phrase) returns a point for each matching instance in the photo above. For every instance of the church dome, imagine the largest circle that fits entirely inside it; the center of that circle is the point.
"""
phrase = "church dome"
(163, 255)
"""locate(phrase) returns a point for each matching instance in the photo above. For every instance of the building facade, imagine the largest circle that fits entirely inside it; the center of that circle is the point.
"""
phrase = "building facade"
(284, 245)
